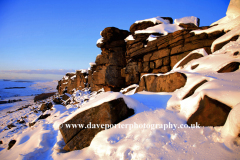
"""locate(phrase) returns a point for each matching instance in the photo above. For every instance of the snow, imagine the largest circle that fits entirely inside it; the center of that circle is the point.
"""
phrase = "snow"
(84, 71)
(133, 87)
(199, 51)
(165, 27)
(160, 28)
(100, 40)
(155, 20)
(129, 38)
(73, 77)
(65, 78)
(190, 19)
(152, 132)
(92, 64)
(152, 38)
(223, 87)
(233, 10)
(232, 125)
(229, 23)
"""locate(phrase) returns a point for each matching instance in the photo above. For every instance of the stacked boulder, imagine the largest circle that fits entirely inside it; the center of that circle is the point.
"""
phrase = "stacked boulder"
(81, 79)
(71, 81)
(65, 83)
(162, 53)
(110, 62)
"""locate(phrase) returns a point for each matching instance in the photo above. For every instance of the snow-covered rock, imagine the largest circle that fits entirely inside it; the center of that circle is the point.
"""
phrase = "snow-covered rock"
(190, 19)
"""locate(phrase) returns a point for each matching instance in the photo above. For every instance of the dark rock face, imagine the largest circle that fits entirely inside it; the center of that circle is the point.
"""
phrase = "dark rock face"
(39, 118)
(43, 107)
(164, 83)
(10, 101)
(57, 100)
(113, 34)
(107, 73)
(66, 84)
(21, 121)
(236, 53)
(65, 97)
(111, 112)
(11, 126)
(31, 124)
(231, 67)
(191, 92)
(11, 144)
(43, 96)
(189, 58)
(194, 66)
(210, 113)
(188, 26)
(46, 106)
(44, 116)
(140, 26)
(220, 45)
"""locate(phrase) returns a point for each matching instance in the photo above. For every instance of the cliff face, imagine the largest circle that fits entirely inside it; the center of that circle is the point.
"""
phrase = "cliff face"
(152, 46)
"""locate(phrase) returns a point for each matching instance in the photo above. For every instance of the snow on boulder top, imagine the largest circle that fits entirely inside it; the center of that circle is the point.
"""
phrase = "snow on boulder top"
(155, 20)
(84, 71)
(231, 26)
(190, 19)
(100, 40)
(65, 78)
(161, 28)
(129, 38)
(73, 77)
(233, 10)
(152, 38)
(92, 64)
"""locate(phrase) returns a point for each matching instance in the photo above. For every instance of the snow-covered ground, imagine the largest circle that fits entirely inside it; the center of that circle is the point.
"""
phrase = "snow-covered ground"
(152, 133)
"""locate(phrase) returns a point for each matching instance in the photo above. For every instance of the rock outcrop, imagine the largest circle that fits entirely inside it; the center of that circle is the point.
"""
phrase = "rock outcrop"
(110, 62)
(124, 60)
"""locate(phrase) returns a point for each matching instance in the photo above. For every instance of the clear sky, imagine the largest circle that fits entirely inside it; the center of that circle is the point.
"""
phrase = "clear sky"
(40, 37)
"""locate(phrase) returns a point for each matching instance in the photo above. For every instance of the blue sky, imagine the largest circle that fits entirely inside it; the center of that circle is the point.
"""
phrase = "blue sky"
(61, 34)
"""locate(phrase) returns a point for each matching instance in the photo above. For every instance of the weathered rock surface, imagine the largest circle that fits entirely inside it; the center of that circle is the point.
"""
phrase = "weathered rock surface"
(65, 97)
(191, 92)
(220, 45)
(43, 96)
(57, 100)
(11, 126)
(163, 83)
(231, 67)
(189, 58)
(210, 113)
(107, 72)
(121, 63)
(111, 112)
(46, 106)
